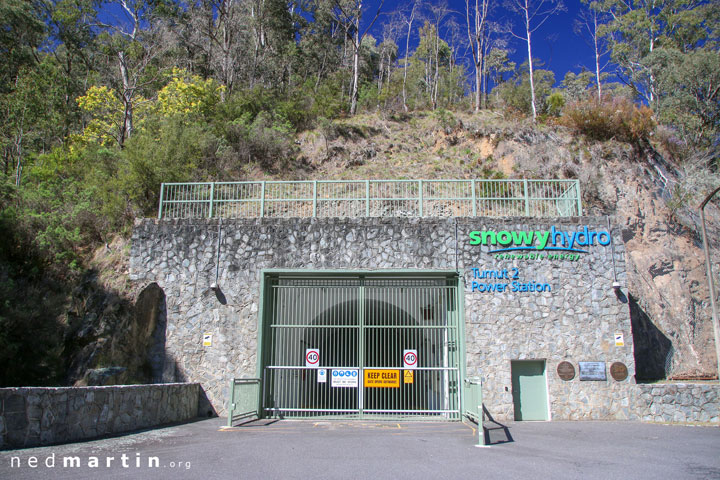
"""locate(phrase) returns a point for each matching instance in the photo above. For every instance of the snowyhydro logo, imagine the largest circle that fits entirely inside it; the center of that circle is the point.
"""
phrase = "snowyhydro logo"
(552, 239)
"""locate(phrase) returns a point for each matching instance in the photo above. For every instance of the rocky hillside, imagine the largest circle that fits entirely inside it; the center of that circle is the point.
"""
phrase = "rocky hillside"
(639, 187)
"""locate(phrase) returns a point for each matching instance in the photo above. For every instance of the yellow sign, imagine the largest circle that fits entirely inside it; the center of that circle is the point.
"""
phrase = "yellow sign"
(409, 376)
(207, 339)
(382, 378)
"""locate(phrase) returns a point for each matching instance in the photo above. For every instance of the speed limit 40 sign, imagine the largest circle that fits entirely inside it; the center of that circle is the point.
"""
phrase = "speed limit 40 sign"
(312, 357)
(410, 359)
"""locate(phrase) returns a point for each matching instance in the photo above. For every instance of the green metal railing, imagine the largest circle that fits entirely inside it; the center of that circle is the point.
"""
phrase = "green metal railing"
(244, 399)
(473, 405)
(371, 198)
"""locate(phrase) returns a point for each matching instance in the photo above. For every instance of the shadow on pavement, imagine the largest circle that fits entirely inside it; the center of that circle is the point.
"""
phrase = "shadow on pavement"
(495, 439)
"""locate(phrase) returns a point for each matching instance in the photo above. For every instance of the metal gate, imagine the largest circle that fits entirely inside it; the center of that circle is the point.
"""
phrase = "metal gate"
(345, 347)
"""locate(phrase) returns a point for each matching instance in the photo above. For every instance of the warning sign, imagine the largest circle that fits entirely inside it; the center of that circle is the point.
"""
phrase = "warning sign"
(619, 340)
(410, 359)
(382, 378)
(345, 378)
(312, 357)
(207, 339)
(409, 376)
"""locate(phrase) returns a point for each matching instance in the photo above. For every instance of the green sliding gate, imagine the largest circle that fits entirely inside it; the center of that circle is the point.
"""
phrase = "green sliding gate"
(362, 346)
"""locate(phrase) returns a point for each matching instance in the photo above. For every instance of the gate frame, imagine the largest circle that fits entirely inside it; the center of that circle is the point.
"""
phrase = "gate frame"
(267, 273)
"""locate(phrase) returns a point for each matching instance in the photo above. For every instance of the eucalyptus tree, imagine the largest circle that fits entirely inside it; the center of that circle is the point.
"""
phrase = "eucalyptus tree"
(477, 21)
(534, 14)
(590, 22)
(132, 40)
(349, 13)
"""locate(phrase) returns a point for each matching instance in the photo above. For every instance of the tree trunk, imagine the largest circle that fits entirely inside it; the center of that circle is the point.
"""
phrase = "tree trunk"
(356, 62)
(530, 63)
(127, 95)
(597, 57)
(407, 48)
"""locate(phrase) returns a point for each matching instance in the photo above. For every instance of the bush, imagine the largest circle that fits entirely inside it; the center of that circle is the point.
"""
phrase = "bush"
(267, 140)
(614, 118)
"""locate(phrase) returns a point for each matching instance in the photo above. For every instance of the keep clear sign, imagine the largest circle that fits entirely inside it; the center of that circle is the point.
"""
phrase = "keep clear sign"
(382, 378)
(347, 377)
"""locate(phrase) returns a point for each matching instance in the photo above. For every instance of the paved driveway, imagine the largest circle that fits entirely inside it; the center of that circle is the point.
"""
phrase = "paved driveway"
(341, 449)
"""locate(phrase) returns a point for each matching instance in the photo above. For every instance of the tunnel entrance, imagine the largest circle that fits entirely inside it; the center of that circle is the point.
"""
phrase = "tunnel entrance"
(362, 346)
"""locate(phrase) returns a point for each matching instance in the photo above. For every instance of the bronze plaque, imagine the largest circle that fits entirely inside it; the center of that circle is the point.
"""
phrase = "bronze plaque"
(566, 371)
(618, 371)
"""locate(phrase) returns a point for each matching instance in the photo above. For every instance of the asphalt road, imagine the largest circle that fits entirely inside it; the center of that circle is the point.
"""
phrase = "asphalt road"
(342, 449)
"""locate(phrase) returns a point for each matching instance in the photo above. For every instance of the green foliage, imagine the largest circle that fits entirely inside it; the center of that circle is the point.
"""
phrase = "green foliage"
(172, 150)
(555, 103)
(688, 96)
(266, 140)
(613, 118)
(516, 92)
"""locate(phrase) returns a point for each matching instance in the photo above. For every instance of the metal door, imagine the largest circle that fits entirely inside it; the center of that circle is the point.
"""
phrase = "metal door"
(358, 326)
(530, 398)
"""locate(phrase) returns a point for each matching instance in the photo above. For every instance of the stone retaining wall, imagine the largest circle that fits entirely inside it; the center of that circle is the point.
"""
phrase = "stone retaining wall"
(679, 402)
(32, 416)
(575, 319)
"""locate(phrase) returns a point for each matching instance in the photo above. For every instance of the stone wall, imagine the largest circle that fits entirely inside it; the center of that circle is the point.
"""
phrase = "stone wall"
(678, 402)
(576, 320)
(32, 416)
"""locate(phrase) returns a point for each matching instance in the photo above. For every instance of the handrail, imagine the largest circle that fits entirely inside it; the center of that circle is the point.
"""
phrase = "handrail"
(244, 400)
(371, 198)
(473, 406)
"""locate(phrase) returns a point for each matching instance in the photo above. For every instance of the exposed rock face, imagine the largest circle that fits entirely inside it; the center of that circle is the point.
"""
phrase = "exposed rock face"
(122, 344)
(666, 267)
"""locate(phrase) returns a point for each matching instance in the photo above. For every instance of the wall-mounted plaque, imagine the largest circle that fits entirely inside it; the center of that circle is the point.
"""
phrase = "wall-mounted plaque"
(566, 371)
(592, 371)
(618, 371)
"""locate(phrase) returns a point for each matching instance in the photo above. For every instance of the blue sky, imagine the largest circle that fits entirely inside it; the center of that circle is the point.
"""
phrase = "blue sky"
(554, 42)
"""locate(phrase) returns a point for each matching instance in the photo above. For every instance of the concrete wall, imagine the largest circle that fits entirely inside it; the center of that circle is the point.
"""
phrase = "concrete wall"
(32, 416)
(576, 321)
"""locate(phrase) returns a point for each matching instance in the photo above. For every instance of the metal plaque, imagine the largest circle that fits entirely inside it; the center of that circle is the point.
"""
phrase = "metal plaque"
(592, 371)
(566, 371)
(618, 371)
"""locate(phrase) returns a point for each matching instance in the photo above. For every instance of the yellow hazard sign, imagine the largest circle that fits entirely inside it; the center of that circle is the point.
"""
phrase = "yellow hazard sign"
(409, 376)
(382, 378)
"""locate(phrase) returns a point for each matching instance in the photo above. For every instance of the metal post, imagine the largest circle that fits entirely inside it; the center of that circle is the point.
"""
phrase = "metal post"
(577, 195)
(314, 198)
(420, 196)
(160, 207)
(212, 197)
(361, 347)
(232, 402)
(481, 416)
(367, 198)
(527, 198)
(474, 199)
(262, 199)
(711, 282)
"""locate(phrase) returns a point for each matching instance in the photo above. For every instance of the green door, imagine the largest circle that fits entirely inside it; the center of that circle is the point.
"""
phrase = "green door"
(529, 390)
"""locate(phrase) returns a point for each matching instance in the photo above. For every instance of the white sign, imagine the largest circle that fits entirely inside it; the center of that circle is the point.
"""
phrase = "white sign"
(410, 359)
(312, 357)
(322, 375)
(207, 339)
(345, 378)
(619, 340)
